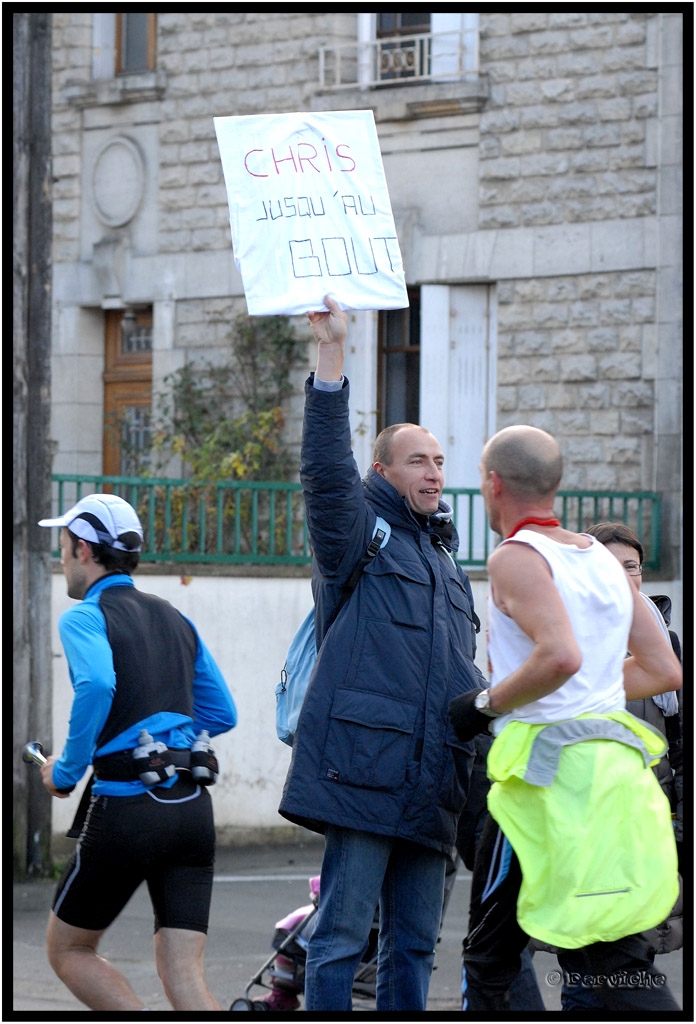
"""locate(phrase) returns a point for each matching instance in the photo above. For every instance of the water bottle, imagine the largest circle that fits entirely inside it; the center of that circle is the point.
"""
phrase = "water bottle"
(204, 764)
(153, 761)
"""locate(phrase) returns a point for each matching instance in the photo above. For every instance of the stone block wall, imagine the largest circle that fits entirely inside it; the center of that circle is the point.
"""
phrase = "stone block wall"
(72, 61)
(220, 65)
(567, 133)
(583, 126)
(571, 361)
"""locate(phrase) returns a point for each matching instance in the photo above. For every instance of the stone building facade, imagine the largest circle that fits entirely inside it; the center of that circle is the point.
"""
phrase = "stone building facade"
(536, 190)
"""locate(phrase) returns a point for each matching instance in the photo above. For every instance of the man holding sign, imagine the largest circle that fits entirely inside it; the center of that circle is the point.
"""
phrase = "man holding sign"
(310, 210)
(376, 765)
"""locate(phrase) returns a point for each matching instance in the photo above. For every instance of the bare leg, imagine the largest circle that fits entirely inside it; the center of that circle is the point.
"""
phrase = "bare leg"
(179, 954)
(72, 953)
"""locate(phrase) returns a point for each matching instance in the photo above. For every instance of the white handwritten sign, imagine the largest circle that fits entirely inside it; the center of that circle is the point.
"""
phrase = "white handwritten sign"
(310, 212)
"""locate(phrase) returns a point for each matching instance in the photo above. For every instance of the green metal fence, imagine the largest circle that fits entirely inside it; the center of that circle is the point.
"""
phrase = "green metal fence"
(263, 523)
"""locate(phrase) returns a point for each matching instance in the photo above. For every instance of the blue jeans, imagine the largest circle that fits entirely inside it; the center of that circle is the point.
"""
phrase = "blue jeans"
(359, 871)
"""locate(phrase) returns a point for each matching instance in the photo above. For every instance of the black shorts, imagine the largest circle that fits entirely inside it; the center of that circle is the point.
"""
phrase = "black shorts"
(165, 837)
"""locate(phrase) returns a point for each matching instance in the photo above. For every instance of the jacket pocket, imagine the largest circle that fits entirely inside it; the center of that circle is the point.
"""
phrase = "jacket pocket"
(397, 592)
(458, 596)
(459, 599)
(369, 740)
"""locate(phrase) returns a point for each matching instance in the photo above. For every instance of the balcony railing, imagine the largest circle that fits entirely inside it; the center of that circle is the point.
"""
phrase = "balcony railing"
(427, 57)
(263, 523)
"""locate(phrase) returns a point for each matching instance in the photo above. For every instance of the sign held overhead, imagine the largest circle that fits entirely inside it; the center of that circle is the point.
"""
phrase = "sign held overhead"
(310, 211)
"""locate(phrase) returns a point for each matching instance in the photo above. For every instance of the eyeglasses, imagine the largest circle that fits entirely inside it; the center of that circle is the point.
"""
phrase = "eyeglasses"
(633, 568)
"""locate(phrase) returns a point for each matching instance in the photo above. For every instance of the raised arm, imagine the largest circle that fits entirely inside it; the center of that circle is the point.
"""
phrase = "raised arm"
(330, 331)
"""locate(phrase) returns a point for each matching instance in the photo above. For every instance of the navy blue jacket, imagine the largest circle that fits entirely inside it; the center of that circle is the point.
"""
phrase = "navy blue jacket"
(374, 748)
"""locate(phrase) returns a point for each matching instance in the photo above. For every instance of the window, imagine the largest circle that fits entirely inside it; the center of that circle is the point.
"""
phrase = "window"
(408, 48)
(402, 24)
(403, 61)
(127, 391)
(123, 44)
(398, 364)
(135, 43)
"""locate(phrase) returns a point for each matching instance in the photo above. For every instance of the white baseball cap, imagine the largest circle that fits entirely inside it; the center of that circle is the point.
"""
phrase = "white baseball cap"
(103, 519)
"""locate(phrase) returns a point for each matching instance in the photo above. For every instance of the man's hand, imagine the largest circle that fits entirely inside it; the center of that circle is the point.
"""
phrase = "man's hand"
(330, 331)
(466, 719)
(47, 776)
(331, 327)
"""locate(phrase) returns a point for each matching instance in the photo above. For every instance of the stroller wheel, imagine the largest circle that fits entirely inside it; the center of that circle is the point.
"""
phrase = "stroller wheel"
(245, 1005)
(260, 1004)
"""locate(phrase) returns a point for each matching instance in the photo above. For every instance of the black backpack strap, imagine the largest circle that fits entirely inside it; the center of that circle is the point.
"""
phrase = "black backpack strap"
(372, 549)
(352, 581)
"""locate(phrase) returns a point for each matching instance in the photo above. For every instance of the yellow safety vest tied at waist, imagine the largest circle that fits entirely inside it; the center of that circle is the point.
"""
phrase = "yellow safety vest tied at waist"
(590, 825)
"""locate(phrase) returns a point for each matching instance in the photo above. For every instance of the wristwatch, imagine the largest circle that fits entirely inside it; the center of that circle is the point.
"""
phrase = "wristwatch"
(482, 702)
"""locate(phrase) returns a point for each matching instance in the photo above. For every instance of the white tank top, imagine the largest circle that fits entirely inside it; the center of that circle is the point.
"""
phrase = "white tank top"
(599, 602)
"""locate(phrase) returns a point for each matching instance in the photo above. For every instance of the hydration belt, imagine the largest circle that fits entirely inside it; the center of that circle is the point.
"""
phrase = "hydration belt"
(121, 767)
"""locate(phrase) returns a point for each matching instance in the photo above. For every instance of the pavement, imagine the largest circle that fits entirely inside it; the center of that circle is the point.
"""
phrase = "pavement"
(254, 887)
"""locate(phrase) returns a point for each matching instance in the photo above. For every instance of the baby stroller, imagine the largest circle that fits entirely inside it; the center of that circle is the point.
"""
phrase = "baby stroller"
(286, 965)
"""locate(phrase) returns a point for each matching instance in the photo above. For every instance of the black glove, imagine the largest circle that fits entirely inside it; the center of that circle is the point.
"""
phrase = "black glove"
(466, 719)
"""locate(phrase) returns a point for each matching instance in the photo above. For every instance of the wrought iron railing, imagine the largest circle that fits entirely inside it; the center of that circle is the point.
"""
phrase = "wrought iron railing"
(432, 56)
(263, 523)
